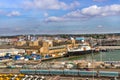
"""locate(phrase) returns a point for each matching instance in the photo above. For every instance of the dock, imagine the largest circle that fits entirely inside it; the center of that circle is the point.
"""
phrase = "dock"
(110, 47)
(47, 59)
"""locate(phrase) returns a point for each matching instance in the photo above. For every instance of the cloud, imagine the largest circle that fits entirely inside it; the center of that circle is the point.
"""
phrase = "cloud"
(74, 15)
(50, 4)
(99, 0)
(13, 13)
(73, 5)
(54, 19)
(45, 14)
(101, 11)
(92, 10)
(89, 12)
(100, 26)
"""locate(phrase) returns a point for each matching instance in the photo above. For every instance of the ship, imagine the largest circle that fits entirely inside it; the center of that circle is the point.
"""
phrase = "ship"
(82, 49)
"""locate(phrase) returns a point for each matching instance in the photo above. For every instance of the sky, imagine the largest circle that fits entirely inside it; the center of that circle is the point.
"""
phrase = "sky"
(59, 16)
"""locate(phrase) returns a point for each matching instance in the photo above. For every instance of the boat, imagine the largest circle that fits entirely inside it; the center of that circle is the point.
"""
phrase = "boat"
(83, 48)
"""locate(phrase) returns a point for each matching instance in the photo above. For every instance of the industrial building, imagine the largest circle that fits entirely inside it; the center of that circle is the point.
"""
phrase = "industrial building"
(12, 51)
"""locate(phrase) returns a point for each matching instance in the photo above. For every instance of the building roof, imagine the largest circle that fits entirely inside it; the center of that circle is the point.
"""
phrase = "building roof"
(57, 47)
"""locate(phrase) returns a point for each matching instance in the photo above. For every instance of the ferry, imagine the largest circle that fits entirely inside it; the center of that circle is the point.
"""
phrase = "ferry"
(82, 49)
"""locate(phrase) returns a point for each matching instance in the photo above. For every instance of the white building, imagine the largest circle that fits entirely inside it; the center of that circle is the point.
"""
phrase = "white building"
(12, 51)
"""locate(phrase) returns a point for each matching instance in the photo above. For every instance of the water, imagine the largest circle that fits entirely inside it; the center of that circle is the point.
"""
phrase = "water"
(108, 56)
(102, 56)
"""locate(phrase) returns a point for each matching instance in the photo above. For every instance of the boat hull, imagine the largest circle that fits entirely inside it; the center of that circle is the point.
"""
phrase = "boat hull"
(76, 53)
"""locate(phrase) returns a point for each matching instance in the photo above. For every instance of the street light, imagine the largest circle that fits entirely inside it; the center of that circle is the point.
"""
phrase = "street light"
(92, 58)
(100, 51)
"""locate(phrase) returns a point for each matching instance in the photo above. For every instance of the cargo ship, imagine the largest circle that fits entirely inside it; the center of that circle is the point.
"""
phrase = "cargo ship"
(82, 49)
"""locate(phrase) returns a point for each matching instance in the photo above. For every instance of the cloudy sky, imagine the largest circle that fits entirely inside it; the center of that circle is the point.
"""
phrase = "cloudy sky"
(59, 16)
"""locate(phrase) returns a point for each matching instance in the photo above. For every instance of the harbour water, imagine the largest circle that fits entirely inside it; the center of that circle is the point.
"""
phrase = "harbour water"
(113, 55)
(108, 56)
(102, 56)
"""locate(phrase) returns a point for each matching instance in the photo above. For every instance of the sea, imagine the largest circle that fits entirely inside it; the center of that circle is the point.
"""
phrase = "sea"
(113, 55)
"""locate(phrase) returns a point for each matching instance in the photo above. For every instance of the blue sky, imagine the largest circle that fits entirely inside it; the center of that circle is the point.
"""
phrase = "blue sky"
(59, 16)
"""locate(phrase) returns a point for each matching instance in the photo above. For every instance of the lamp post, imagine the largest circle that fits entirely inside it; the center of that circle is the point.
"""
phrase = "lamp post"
(92, 58)
(100, 51)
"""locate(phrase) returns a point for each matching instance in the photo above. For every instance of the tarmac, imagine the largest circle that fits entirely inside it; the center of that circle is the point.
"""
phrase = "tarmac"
(75, 78)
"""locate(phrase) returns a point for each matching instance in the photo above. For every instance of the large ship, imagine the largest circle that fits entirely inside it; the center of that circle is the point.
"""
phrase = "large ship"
(83, 48)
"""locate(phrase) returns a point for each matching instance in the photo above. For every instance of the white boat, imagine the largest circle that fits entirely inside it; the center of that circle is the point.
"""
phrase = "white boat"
(82, 49)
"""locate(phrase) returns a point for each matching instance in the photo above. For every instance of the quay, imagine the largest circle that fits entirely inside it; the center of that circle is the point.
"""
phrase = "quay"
(113, 62)
(109, 47)
(47, 59)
